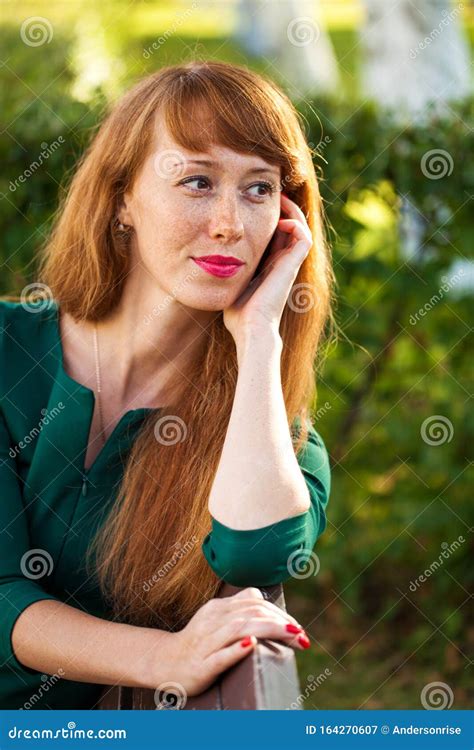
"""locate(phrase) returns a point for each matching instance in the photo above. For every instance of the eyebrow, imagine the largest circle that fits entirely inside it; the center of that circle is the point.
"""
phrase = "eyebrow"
(254, 170)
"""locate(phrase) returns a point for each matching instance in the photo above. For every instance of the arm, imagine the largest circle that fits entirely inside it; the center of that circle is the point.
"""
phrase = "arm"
(54, 638)
(266, 513)
(258, 451)
(39, 632)
(271, 554)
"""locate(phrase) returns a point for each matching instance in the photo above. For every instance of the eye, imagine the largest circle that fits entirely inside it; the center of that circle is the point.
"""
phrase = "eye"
(200, 179)
(268, 187)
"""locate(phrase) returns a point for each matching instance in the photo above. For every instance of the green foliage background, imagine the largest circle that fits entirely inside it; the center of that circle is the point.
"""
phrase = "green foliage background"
(395, 498)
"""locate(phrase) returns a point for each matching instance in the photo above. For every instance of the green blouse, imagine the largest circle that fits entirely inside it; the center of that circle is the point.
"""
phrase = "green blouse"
(51, 506)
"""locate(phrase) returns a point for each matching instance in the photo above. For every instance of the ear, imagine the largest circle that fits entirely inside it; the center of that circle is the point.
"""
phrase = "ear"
(124, 214)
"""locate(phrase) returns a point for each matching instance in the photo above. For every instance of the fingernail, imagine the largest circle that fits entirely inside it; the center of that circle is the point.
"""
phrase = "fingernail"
(303, 640)
(247, 641)
(293, 628)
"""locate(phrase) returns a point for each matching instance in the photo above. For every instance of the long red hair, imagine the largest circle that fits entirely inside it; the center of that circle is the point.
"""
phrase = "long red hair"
(147, 554)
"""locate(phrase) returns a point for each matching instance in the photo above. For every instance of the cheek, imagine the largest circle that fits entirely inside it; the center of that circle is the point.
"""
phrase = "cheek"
(263, 230)
(163, 225)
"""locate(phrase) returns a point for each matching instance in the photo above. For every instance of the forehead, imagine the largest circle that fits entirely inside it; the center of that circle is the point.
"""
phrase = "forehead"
(216, 155)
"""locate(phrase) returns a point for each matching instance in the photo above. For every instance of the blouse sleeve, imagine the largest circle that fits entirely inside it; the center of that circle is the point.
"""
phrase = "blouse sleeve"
(272, 554)
(17, 591)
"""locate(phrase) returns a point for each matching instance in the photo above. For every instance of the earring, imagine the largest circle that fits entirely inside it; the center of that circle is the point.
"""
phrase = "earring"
(121, 226)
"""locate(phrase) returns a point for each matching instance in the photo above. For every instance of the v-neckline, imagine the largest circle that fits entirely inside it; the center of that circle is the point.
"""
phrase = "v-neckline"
(126, 417)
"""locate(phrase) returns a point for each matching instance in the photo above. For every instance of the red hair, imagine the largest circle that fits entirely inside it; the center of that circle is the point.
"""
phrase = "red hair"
(162, 502)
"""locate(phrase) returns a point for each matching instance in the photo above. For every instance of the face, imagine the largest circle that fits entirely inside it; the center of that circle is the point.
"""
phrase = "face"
(185, 205)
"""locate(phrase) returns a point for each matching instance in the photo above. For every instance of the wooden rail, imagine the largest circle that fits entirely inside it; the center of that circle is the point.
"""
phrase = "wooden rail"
(265, 679)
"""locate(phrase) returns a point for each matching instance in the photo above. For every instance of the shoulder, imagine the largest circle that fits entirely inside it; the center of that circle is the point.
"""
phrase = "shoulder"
(27, 335)
(19, 318)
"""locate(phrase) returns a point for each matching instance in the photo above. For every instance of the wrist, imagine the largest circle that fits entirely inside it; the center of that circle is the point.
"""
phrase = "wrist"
(255, 339)
(156, 659)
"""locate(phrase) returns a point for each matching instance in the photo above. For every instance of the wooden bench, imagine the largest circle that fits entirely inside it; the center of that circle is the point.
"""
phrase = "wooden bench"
(265, 679)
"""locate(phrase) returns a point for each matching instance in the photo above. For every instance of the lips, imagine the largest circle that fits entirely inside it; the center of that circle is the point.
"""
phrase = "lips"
(219, 265)
(224, 260)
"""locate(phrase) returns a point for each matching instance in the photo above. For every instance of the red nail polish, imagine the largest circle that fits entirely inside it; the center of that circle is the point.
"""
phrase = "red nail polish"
(245, 642)
(293, 628)
(303, 640)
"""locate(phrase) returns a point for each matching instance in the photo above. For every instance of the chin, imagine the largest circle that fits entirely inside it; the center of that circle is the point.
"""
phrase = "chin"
(213, 300)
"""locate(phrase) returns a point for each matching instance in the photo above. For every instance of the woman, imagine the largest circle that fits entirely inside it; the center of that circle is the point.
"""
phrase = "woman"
(154, 428)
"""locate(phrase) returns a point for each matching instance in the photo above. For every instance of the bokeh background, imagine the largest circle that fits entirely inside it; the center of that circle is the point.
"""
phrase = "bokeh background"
(385, 92)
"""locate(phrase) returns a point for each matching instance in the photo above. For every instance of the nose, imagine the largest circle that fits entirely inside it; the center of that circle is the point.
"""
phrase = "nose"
(226, 224)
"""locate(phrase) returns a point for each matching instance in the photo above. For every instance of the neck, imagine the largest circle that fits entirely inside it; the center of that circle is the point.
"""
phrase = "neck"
(148, 343)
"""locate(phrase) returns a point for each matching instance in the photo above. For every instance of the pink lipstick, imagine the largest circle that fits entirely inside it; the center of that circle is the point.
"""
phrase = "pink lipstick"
(219, 265)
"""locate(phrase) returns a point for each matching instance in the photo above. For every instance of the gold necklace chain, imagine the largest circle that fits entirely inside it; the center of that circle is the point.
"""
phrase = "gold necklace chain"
(99, 387)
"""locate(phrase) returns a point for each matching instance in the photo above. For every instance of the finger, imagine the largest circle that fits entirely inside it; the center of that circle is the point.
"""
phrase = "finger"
(262, 627)
(248, 592)
(291, 207)
(226, 657)
(265, 606)
(293, 226)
